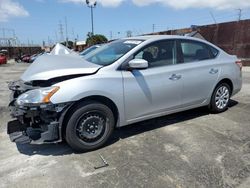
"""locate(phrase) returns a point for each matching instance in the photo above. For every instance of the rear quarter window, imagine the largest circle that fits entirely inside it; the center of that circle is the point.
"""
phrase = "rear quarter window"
(214, 51)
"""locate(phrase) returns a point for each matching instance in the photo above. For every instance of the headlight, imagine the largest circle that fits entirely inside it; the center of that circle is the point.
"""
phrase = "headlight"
(37, 96)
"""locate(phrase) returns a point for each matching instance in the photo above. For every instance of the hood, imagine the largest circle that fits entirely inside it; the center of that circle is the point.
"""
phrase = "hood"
(51, 66)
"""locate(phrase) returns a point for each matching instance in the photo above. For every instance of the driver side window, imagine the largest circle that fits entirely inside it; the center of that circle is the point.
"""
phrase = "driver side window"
(159, 53)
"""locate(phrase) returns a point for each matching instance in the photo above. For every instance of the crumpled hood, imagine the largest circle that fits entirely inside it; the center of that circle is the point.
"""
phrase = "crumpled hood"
(46, 67)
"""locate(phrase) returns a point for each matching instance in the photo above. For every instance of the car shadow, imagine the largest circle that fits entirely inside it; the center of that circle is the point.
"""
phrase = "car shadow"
(44, 149)
(120, 133)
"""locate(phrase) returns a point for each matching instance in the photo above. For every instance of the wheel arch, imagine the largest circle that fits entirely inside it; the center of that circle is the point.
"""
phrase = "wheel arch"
(227, 81)
(224, 80)
(98, 98)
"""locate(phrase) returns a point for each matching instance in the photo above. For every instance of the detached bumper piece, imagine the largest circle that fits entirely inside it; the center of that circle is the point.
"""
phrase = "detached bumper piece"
(49, 136)
(15, 126)
(22, 134)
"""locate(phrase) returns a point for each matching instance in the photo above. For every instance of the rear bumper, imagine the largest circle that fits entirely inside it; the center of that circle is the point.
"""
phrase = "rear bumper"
(237, 85)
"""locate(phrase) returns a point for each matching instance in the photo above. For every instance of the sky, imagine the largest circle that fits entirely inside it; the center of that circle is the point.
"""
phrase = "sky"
(35, 21)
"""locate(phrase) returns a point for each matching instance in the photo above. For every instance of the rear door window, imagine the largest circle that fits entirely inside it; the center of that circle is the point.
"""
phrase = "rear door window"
(192, 51)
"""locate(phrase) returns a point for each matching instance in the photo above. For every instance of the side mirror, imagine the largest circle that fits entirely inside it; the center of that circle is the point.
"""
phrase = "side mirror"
(138, 64)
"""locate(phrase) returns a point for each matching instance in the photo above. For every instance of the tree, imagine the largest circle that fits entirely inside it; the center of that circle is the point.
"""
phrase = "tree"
(96, 39)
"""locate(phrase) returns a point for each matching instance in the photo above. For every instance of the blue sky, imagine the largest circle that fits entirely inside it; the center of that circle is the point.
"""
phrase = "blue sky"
(36, 20)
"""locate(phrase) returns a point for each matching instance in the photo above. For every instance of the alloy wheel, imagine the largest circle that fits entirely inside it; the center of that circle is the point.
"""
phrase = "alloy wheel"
(222, 97)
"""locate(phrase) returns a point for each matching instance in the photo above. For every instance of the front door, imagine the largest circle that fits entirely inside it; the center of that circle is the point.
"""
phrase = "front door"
(154, 91)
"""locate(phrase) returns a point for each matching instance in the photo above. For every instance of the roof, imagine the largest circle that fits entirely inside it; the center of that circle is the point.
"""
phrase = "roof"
(158, 37)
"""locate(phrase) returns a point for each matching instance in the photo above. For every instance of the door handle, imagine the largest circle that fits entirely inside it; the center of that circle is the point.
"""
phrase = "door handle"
(175, 77)
(213, 71)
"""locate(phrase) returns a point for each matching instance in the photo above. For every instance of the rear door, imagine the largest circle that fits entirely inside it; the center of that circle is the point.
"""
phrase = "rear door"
(200, 71)
(150, 92)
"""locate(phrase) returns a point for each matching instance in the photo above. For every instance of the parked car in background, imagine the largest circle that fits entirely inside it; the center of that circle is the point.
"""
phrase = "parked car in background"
(24, 58)
(4, 51)
(126, 81)
(3, 58)
(90, 49)
(35, 56)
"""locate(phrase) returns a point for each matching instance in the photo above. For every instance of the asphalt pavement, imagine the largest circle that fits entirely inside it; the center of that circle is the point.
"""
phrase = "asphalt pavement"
(189, 149)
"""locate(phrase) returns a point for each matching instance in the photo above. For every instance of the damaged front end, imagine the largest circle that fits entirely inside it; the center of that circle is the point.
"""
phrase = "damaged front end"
(41, 122)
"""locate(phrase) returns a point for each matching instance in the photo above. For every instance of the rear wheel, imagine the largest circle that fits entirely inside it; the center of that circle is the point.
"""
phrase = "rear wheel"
(90, 126)
(220, 98)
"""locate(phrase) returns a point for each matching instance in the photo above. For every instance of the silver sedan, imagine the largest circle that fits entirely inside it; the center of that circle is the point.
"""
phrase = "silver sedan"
(123, 82)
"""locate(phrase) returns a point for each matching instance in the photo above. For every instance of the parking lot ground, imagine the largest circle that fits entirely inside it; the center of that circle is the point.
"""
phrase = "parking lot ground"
(188, 149)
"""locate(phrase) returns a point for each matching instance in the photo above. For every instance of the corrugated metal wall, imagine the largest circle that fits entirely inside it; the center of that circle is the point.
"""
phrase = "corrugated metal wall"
(233, 37)
(17, 51)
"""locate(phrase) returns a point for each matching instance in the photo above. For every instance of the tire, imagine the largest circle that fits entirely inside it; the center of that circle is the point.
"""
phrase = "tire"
(220, 98)
(90, 126)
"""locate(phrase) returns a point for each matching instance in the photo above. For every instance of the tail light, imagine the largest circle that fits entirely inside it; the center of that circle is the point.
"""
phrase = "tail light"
(239, 63)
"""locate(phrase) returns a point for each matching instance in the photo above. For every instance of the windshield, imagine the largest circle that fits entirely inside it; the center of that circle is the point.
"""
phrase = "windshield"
(88, 50)
(109, 53)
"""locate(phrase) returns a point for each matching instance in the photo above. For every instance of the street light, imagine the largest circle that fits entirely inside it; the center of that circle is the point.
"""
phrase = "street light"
(91, 5)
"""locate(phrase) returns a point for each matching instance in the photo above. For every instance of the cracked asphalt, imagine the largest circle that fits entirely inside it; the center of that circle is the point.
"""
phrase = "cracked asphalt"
(189, 149)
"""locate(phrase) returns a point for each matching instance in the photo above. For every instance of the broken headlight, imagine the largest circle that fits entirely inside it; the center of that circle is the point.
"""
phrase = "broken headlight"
(37, 96)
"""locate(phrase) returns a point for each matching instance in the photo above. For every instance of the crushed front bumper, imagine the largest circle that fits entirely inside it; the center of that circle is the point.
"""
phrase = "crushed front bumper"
(40, 123)
(35, 135)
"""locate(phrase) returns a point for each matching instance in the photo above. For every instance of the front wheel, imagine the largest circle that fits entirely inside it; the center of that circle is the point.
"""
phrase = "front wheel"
(220, 98)
(90, 126)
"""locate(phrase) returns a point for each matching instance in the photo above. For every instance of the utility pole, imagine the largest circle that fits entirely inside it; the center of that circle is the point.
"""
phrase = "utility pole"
(129, 33)
(239, 14)
(91, 5)
(61, 31)
(73, 33)
(49, 41)
(111, 35)
(66, 31)
(212, 15)
(118, 34)
(153, 28)
(56, 37)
